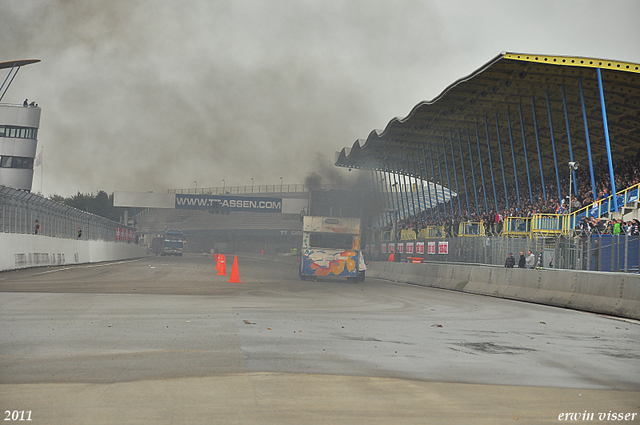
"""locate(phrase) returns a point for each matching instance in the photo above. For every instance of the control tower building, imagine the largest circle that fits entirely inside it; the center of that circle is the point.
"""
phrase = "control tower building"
(18, 134)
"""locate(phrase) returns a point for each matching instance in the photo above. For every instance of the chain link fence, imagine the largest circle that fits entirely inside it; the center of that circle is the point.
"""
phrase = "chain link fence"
(20, 210)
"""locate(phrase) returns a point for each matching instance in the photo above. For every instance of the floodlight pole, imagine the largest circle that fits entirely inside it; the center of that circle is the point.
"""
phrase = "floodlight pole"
(570, 181)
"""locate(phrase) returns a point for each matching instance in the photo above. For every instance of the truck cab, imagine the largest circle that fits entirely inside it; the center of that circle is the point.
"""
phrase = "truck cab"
(331, 248)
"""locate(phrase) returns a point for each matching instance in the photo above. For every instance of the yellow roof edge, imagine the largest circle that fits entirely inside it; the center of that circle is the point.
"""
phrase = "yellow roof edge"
(575, 61)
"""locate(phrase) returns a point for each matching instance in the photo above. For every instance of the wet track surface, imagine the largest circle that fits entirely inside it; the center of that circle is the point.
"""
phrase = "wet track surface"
(169, 332)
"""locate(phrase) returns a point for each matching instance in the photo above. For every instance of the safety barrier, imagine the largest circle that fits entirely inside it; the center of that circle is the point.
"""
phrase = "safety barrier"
(607, 293)
(407, 234)
(431, 232)
(517, 226)
(604, 206)
(385, 235)
(546, 224)
(471, 229)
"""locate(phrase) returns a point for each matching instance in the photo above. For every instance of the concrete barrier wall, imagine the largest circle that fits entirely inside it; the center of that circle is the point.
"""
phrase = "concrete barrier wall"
(616, 294)
(20, 251)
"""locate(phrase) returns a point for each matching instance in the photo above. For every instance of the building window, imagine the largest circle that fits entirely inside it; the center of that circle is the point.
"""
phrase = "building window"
(16, 162)
(18, 132)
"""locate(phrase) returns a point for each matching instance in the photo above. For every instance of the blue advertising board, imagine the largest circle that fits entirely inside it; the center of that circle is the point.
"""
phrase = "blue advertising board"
(228, 203)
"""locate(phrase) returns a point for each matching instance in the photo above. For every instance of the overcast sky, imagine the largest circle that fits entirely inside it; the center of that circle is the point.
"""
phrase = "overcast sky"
(144, 95)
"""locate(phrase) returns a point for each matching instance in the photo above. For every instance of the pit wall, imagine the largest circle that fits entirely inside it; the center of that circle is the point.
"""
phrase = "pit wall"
(19, 251)
(614, 294)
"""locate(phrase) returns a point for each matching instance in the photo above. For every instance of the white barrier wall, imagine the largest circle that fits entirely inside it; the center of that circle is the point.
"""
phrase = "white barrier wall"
(616, 294)
(20, 251)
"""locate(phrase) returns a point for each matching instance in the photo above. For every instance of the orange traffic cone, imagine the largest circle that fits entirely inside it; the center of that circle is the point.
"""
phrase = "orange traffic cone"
(234, 277)
(222, 268)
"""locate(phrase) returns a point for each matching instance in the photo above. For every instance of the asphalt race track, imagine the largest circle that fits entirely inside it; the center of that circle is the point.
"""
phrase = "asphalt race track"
(165, 340)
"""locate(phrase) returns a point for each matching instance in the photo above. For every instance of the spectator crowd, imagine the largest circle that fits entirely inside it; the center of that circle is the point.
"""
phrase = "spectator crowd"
(626, 172)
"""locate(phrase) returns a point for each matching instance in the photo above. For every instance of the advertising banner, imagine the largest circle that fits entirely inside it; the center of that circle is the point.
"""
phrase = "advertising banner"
(419, 247)
(225, 203)
(431, 247)
(400, 248)
(383, 248)
(443, 247)
(409, 247)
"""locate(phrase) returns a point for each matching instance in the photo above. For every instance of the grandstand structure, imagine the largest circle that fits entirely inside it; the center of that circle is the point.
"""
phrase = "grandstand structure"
(19, 125)
(502, 137)
(539, 142)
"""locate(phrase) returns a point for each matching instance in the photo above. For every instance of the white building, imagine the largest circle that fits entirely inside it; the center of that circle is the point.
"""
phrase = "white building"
(18, 135)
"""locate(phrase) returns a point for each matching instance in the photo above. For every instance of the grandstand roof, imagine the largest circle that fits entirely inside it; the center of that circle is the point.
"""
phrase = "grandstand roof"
(17, 63)
(493, 95)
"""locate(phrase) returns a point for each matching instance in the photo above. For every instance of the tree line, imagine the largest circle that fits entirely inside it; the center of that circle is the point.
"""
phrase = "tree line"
(100, 204)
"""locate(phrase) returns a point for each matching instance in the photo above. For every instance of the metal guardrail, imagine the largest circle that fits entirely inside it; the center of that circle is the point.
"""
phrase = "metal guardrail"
(547, 224)
(243, 190)
(19, 211)
(407, 234)
(604, 206)
(517, 226)
(471, 229)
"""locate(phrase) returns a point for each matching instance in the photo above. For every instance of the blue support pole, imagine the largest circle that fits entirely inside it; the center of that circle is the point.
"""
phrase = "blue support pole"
(394, 202)
(455, 173)
(493, 181)
(376, 182)
(473, 174)
(535, 126)
(444, 154)
(413, 201)
(464, 176)
(422, 179)
(484, 189)
(504, 179)
(608, 141)
(566, 121)
(526, 158)
(444, 198)
(387, 183)
(382, 182)
(405, 210)
(433, 173)
(396, 187)
(513, 157)
(586, 133)
(424, 156)
(553, 145)
(415, 178)
(385, 195)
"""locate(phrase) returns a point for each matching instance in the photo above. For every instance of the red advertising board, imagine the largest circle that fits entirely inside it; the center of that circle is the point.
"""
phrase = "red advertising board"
(409, 247)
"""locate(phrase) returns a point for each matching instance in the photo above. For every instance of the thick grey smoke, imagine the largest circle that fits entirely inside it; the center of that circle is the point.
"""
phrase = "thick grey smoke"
(155, 94)
(148, 95)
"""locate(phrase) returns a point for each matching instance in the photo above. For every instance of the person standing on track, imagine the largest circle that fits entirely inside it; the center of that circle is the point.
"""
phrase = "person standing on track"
(530, 261)
(510, 261)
